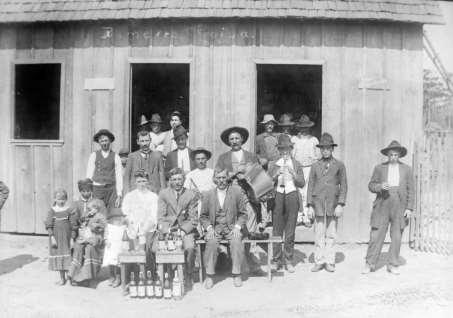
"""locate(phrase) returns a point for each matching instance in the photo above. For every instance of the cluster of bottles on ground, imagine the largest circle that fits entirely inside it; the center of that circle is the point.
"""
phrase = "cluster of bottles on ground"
(149, 288)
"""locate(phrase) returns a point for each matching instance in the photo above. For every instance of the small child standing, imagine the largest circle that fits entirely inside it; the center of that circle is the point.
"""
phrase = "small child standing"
(60, 223)
(114, 234)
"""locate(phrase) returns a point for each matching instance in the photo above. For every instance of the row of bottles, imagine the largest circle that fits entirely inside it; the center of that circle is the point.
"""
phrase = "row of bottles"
(154, 289)
(171, 241)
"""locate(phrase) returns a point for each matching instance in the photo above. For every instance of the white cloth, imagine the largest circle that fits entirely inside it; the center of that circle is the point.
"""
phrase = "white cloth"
(118, 170)
(221, 194)
(157, 141)
(393, 177)
(305, 150)
(285, 182)
(200, 180)
(113, 247)
(238, 155)
(184, 160)
(140, 208)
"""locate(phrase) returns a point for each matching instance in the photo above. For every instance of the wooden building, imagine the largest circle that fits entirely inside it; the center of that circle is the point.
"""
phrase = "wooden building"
(69, 68)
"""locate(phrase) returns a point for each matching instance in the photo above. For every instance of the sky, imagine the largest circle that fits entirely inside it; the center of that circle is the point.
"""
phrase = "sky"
(441, 37)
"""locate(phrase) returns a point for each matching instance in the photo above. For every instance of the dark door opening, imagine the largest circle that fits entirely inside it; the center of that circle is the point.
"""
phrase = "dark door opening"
(159, 88)
(292, 89)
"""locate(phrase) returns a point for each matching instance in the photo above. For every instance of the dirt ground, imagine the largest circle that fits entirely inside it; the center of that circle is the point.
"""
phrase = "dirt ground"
(424, 289)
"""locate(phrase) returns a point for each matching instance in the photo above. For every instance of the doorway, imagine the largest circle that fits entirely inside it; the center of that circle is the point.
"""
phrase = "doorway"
(158, 88)
(291, 89)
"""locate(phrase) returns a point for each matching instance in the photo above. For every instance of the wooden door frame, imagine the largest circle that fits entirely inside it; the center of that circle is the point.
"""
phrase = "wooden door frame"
(188, 61)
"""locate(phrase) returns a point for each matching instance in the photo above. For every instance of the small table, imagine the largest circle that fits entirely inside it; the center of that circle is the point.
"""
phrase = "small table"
(131, 257)
(270, 251)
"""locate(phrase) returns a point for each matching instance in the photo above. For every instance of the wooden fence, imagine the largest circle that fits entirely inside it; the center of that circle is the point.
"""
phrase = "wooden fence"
(431, 229)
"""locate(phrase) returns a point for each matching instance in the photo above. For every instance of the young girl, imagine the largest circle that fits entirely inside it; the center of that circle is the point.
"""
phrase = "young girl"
(113, 244)
(60, 223)
(86, 258)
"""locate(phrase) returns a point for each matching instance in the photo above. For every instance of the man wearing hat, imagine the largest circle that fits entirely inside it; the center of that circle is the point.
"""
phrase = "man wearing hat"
(105, 169)
(286, 123)
(288, 176)
(144, 159)
(393, 184)
(156, 134)
(266, 142)
(170, 141)
(326, 197)
(181, 157)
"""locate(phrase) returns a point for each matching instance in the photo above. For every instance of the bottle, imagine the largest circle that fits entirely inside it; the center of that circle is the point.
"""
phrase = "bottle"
(141, 290)
(132, 287)
(177, 290)
(157, 288)
(167, 288)
(149, 286)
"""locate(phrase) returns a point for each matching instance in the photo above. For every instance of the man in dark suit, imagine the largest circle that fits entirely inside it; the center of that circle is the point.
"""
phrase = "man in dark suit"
(178, 209)
(144, 159)
(326, 197)
(223, 215)
(288, 177)
(182, 156)
(393, 183)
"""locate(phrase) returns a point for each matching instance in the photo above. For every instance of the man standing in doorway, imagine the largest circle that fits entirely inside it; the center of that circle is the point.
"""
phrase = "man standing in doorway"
(326, 197)
(170, 139)
(393, 183)
(266, 142)
(105, 169)
(144, 159)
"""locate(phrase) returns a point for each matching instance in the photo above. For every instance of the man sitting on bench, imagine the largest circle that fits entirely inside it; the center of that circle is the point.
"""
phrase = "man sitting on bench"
(223, 215)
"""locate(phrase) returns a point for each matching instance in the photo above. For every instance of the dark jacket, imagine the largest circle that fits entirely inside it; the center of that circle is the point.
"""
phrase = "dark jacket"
(235, 207)
(153, 165)
(224, 161)
(182, 212)
(172, 161)
(327, 188)
(299, 180)
(406, 192)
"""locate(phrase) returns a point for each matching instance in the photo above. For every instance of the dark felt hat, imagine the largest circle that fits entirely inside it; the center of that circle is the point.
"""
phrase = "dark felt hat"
(240, 130)
(179, 131)
(304, 122)
(285, 120)
(394, 145)
(201, 150)
(284, 141)
(155, 119)
(176, 113)
(326, 141)
(104, 132)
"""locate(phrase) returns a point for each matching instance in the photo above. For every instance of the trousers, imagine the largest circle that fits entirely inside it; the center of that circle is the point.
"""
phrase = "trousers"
(325, 236)
(284, 224)
(236, 251)
(107, 194)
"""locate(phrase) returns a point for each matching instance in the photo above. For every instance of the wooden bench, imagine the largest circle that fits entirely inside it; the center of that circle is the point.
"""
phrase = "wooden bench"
(131, 257)
(270, 252)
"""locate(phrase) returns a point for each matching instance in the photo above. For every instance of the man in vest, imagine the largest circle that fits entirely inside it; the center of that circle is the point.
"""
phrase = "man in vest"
(105, 169)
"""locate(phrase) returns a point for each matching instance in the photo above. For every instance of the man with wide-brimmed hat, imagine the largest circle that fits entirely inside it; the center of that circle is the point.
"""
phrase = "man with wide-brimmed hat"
(393, 184)
(156, 133)
(181, 157)
(288, 177)
(266, 142)
(286, 124)
(305, 149)
(105, 169)
(169, 140)
(326, 197)
(144, 159)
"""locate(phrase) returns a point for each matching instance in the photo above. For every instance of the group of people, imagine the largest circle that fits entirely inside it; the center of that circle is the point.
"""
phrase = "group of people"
(165, 186)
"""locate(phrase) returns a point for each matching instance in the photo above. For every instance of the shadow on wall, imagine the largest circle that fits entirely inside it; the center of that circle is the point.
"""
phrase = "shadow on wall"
(9, 265)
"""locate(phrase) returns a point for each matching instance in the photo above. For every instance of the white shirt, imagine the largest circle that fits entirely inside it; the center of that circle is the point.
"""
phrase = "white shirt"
(393, 176)
(238, 155)
(140, 208)
(118, 170)
(221, 194)
(200, 180)
(157, 141)
(184, 160)
(305, 150)
(285, 183)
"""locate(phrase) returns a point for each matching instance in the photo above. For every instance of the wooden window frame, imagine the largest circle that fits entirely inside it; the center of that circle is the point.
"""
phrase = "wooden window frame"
(60, 140)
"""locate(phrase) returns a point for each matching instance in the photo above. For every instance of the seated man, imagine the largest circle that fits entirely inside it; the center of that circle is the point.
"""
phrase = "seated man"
(223, 215)
(178, 209)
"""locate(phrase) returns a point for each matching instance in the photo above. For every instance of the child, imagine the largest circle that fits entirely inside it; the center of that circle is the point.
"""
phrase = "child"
(114, 239)
(59, 224)
(86, 195)
(86, 259)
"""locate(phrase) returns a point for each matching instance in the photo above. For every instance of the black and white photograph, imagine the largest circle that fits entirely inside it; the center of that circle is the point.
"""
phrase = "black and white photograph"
(226, 158)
